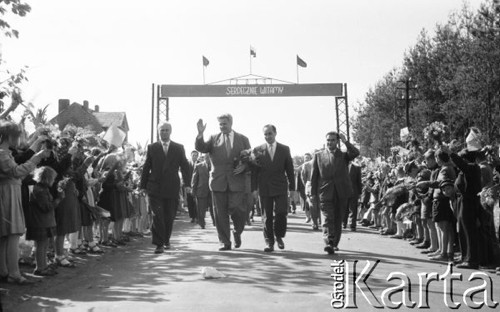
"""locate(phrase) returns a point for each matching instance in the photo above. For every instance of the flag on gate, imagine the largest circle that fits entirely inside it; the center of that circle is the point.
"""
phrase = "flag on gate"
(301, 62)
(252, 52)
(205, 61)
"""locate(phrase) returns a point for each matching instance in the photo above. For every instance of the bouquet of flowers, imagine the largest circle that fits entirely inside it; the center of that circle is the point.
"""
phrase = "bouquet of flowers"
(435, 132)
(395, 150)
(489, 196)
(63, 184)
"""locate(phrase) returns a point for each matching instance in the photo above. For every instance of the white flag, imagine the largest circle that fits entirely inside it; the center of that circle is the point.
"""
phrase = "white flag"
(403, 133)
(115, 136)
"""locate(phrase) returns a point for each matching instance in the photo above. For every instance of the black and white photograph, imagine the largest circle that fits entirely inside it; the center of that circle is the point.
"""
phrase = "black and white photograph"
(279, 155)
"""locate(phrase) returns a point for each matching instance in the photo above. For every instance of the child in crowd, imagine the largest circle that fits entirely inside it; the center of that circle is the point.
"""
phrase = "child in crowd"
(42, 222)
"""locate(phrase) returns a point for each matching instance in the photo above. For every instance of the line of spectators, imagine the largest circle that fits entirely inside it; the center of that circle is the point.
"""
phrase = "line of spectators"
(63, 192)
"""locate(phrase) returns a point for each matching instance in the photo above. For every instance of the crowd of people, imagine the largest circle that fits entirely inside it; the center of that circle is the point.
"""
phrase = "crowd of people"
(63, 192)
(66, 191)
(443, 199)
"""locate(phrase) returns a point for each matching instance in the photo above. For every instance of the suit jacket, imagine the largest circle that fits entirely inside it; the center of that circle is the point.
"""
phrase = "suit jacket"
(272, 174)
(355, 176)
(199, 183)
(160, 174)
(330, 173)
(222, 177)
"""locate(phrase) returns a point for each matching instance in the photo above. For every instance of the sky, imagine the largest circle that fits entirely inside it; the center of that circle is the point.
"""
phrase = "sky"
(111, 52)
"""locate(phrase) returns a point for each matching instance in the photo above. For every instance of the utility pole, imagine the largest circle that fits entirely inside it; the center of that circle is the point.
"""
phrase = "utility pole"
(407, 87)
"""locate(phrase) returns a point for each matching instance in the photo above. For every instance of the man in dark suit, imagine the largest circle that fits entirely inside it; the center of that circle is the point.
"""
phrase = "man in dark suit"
(201, 191)
(331, 186)
(227, 178)
(160, 179)
(191, 200)
(352, 203)
(274, 168)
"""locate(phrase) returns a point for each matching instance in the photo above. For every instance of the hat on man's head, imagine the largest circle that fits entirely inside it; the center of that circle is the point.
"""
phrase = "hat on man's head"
(473, 140)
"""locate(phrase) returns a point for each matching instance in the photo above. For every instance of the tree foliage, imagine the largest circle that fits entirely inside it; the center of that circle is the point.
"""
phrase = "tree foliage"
(15, 7)
(10, 81)
(455, 78)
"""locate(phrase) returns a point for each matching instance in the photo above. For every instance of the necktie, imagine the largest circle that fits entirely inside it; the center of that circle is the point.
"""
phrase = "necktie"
(227, 142)
(165, 147)
(271, 151)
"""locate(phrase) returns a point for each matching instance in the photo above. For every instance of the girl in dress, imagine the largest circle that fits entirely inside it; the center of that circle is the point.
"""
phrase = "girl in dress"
(42, 222)
(12, 224)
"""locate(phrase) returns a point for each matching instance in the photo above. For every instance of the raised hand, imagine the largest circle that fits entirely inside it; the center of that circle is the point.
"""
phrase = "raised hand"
(342, 137)
(201, 126)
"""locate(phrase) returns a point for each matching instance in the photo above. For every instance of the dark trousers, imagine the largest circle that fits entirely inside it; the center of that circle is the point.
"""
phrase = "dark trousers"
(191, 203)
(228, 204)
(468, 233)
(351, 212)
(201, 209)
(315, 213)
(333, 213)
(163, 211)
(488, 243)
(274, 212)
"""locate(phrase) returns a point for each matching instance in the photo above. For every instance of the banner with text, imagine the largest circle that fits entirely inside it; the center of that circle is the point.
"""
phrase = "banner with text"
(316, 89)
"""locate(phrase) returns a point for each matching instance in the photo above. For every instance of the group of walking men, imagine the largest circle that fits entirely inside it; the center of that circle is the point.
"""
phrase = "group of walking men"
(330, 184)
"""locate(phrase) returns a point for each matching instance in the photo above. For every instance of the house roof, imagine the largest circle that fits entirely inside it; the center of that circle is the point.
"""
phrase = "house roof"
(80, 116)
(106, 119)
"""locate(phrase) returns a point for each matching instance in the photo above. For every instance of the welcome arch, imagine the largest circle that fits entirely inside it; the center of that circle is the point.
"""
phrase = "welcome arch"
(161, 95)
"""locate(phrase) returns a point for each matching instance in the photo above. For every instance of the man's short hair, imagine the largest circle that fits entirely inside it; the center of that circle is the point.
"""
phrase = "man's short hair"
(194, 151)
(270, 126)
(226, 116)
(334, 133)
(163, 123)
(308, 154)
(444, 157)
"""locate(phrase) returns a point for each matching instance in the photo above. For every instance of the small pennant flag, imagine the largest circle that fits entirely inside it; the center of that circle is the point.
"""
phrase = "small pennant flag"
(205, 61)
(301, 62)
(252, 52)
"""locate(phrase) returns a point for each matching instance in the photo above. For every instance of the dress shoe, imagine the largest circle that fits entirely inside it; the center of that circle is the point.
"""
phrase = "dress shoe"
(269, 248)
(315, 227)
(281, 244)
(428, 251)
(167, 246)
(433, 254)
(237, 239)
(424, 245)
(225, 247)
(467, 265)
(159, 250)
(335, 248)
(442, 257)
(329, 249)
(308, 219)
(416, 241)
(396, 236)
